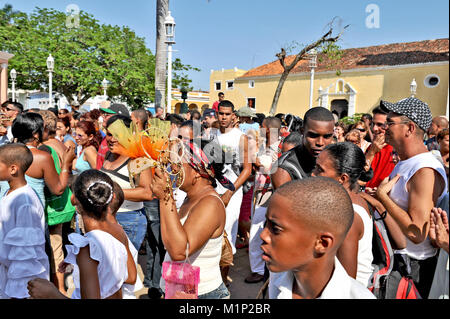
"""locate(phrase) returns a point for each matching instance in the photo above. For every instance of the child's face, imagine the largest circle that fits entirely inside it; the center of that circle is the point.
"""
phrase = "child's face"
(288, 242)
(4, 172)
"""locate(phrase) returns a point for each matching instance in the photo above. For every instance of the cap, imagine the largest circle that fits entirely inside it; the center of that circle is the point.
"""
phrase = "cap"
(208, 112)
(246, 112)
(416, 110)
(117, 109)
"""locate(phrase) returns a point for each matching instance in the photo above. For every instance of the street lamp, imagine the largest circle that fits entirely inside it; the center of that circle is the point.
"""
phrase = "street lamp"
(312, 65)
(170, 40)
(13, 78)
(50, 68)
(105, 87)
(413, 87)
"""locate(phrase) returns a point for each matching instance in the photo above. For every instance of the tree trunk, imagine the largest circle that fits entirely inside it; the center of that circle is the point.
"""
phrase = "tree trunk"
(276, 97)
(162, 8)
(287, 68)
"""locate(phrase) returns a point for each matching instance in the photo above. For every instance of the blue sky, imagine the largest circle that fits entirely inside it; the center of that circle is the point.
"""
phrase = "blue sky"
(248, 33)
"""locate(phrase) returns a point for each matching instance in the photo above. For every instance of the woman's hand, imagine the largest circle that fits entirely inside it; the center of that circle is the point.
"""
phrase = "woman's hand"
(69, 156)
(160, 184)
(43, 289)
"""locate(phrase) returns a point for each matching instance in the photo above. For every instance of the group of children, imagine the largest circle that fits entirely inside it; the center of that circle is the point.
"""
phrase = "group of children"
(104, 260)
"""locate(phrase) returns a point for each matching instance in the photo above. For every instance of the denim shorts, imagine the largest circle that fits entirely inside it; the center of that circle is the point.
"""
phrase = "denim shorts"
(134, 224)
(220, 293)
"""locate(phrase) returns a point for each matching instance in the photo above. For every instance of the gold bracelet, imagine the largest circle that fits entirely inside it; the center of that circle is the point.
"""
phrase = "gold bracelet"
(65, 170)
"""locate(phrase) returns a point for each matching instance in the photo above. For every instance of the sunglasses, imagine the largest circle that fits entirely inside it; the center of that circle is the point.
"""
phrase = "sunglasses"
(361, 129)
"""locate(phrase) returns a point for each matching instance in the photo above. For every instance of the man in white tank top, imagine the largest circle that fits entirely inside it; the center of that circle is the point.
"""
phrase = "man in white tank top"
(235, 145)
(417, 184)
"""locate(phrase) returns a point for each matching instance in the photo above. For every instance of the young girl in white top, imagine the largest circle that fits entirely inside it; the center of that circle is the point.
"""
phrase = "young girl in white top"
(100, 257)
(344, 162)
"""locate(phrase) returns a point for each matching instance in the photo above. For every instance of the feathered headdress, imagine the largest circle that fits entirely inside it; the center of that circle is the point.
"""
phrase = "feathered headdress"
(143, 147)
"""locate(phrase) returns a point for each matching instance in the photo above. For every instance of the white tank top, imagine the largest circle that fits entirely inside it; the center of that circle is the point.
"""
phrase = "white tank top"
(365, 257)
(399, 194)
(120, 175)
(207, 258)
(230, 142)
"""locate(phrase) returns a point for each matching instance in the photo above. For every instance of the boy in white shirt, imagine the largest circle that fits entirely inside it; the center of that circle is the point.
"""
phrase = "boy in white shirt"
(22, 226)
(307, 221)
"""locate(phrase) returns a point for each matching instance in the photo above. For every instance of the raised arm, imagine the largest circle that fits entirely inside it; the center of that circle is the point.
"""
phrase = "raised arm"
(57, 183)
(424, 189)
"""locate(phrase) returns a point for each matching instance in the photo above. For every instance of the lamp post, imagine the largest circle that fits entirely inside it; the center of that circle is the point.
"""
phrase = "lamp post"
(105, 87)
(170, 40)
(312, 65)
(13, 78)
(413, 87)
(50, 68)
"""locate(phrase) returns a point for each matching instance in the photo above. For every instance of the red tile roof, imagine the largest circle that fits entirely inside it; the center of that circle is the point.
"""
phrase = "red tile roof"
(374, 56)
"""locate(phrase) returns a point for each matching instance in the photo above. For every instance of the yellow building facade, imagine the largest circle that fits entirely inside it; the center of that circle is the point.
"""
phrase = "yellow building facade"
(197, 100)
(379, 73)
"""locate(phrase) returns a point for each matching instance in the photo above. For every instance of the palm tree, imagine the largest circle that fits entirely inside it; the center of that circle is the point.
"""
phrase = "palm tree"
(162, 8)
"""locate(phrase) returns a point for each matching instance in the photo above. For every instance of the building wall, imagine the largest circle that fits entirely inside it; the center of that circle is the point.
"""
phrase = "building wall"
(197, 100)
(370, 86)
(237, 95)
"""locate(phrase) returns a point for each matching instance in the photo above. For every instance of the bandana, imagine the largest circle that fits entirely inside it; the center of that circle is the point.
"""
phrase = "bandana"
(195, 157)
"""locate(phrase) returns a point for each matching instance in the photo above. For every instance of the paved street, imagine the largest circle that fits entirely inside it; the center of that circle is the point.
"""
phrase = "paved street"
(238, 288)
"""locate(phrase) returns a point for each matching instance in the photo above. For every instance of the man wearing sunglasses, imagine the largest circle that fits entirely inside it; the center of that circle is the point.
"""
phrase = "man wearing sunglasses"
(9, 112)
(379, 154)
(416, 185)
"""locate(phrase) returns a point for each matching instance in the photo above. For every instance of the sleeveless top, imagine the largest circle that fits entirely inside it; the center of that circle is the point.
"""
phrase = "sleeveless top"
(128, 290)
(58, 208)
(81, 165)
(120, 175)
(207, 258)
(229, 142)
(399, 194)
(365, 257)
(297, 163)
(111, 255)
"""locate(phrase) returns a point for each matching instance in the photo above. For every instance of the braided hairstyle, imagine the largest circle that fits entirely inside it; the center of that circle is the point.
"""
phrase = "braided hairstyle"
(94, 191)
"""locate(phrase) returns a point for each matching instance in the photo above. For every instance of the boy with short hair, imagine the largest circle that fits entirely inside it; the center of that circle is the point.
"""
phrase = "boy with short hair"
(22, 226)
(307, 221)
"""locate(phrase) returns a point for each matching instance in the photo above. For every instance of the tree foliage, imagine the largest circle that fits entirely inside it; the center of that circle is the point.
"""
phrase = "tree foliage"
(84, 54)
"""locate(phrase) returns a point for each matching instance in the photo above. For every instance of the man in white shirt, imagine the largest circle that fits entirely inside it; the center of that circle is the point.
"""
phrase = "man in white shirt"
(416, 185)
(307, 221)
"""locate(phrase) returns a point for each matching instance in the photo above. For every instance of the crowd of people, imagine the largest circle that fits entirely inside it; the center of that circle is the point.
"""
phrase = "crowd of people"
(307, 197)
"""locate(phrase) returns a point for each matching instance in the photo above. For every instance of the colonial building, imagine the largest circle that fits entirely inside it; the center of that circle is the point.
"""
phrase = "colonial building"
(354, 84)
(196, 100)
